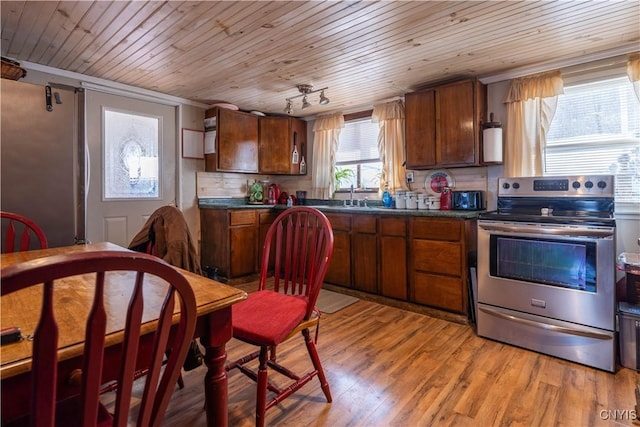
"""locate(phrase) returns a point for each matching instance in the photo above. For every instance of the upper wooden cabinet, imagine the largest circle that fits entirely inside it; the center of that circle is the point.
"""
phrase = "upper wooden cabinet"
(443, 125)
(278, 135)
(248, 143)
(236, 142)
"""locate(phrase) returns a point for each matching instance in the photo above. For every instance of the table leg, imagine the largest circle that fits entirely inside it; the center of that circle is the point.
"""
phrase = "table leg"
(219, 331)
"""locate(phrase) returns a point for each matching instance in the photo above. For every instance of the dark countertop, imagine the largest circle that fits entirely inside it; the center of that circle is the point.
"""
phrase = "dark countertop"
(337, 207)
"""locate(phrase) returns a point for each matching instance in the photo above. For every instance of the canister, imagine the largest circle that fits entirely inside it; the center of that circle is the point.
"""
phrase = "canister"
(412, 200)
(401, 202)
(433, 202)
(422, 201)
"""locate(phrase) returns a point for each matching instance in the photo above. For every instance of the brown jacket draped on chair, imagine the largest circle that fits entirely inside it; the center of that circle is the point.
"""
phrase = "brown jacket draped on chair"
(166, 230)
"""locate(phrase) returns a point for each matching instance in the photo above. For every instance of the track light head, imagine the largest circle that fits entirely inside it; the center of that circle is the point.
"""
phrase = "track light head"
(305, 102)
(323, 99)
(289, 108)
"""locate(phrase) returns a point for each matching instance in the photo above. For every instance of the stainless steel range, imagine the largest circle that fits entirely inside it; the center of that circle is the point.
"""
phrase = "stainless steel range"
(546, 268)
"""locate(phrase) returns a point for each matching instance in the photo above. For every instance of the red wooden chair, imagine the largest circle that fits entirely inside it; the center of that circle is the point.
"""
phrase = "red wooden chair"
(300, 241)
(22, 236)
(85, 409)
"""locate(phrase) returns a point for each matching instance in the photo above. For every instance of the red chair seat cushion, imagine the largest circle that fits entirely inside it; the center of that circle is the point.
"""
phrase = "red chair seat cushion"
(266, 317)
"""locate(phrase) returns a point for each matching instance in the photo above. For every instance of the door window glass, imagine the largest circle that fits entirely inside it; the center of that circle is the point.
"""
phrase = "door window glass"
(131, 155)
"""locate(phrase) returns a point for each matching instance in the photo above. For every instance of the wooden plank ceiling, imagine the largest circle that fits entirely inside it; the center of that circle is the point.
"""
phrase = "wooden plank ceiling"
(254, 53)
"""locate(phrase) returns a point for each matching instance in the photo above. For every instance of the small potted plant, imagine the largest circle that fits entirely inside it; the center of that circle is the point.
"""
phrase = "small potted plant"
(342, 175)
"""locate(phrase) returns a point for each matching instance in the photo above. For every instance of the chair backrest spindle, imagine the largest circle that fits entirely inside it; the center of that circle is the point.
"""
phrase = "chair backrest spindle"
(145, 271)
(301, 243)
(20, 235)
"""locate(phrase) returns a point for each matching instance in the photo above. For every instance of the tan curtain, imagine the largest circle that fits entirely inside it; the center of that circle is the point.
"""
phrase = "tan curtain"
(633, 71)
(532, 102)
(390, 117)
(325, 144)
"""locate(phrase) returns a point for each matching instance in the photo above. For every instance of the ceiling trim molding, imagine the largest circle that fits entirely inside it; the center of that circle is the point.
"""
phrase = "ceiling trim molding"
(108, 86)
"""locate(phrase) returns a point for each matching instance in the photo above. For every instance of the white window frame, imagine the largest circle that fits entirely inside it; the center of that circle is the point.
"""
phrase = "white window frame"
(602, 141)
(358, 163)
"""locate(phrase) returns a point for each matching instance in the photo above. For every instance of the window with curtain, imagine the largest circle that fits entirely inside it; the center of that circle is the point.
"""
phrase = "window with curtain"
(357, 158)
(596, 130)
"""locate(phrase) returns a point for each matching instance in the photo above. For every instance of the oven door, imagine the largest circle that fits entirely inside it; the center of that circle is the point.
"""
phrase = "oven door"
(557, 271)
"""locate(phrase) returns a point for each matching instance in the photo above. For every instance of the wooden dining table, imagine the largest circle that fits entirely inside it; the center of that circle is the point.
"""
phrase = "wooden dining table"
(213, 328)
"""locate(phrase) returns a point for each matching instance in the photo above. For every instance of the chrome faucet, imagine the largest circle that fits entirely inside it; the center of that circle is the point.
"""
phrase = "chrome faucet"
(351, 196)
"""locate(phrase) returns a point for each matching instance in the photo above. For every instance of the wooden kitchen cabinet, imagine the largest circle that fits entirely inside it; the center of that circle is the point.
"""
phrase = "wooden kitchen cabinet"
(393, 257)
(236, 142)
(277, 138)
(265, 220)
(364, 252)
(439, 264)
(443, 125)
(229, 241)
(339, 271)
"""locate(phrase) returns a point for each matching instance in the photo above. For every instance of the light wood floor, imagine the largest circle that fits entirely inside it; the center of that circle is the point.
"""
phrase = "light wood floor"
(390, 367)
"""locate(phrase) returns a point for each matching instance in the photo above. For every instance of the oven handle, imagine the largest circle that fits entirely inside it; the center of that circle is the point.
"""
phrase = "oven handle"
(554, 328)
(556, 231)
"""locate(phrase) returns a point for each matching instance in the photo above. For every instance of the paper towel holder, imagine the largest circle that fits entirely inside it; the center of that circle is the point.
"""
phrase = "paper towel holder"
(492, 141)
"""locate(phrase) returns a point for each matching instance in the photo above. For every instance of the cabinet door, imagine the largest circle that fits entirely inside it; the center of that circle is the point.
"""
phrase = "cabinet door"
(214, 247)
(237, 135)
(420, 129)
(393, 257)
(275, 145)
(364, 252)
(243, 243)
(277, 137)
(266, 219)
(339, 271)
(457, 129)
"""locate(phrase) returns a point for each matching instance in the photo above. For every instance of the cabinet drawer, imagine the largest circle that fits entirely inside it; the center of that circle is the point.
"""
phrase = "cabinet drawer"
(393, 226)
(339, 221)
(364, 223)
(242, 217)
(438, 291)
(437, 257)
(268, 217)
(437, 229)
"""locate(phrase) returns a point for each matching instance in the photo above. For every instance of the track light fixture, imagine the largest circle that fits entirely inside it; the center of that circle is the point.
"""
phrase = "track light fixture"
(305, 90)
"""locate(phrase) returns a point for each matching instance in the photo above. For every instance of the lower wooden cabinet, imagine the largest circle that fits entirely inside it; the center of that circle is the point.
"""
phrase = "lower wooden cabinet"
(393, 257)
(439, 264)
(229, 244)
(265, 219)
(339, 272)
(370, 254)
(364, 252)
(423, 260)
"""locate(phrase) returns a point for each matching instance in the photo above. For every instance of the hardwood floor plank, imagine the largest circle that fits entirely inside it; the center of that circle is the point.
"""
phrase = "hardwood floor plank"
(391, 367)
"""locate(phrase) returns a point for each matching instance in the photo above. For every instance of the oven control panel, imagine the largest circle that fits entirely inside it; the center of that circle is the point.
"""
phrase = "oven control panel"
(557, 186)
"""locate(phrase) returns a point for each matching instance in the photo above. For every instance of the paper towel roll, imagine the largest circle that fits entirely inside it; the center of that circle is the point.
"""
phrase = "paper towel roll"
(492, 140)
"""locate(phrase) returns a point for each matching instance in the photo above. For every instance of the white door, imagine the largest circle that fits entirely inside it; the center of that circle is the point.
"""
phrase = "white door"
(132, 164)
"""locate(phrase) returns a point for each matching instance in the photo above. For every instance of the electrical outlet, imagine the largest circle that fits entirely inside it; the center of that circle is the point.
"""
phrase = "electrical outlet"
(409, 177)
